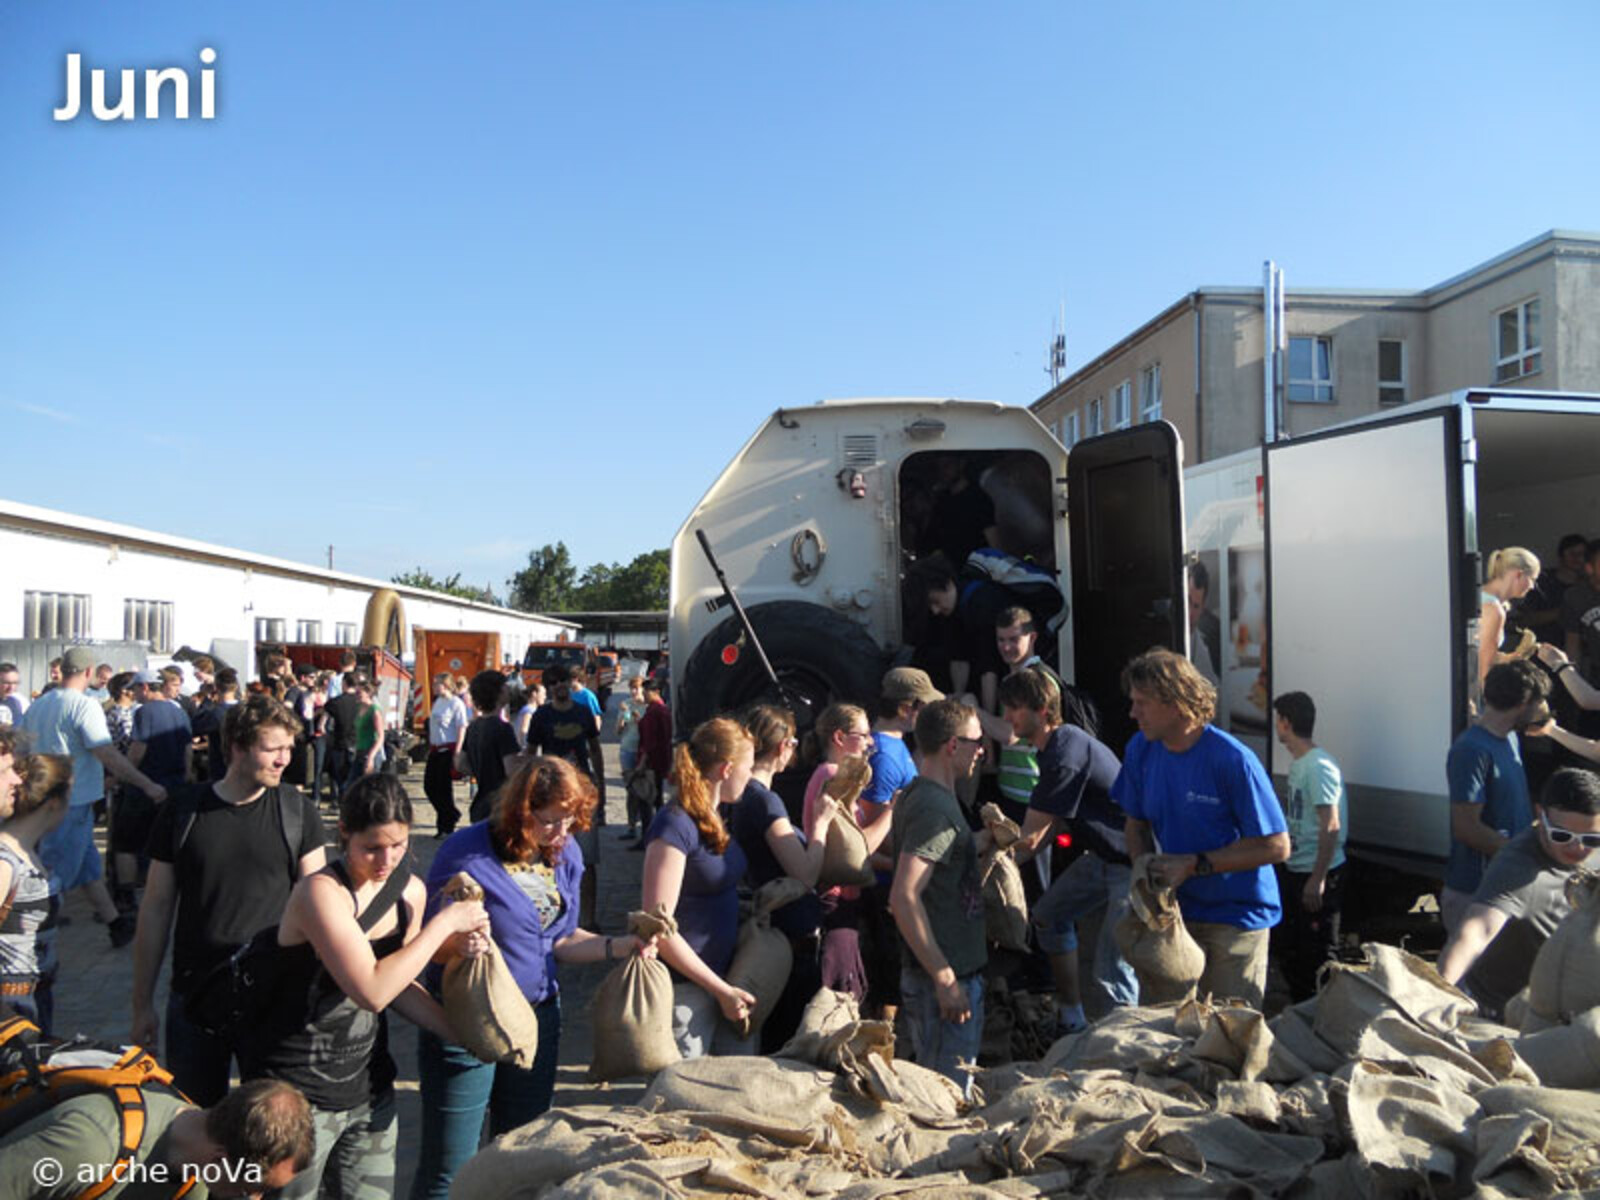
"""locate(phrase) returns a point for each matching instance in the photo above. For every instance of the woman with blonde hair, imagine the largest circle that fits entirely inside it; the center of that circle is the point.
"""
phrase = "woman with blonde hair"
(30, 896)
(1512, 573)
(692, 869)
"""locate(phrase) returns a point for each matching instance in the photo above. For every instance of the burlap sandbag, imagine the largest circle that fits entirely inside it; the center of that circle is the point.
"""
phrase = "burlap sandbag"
(1005, 905)
(1565, 979)
(846, 861)
(632, 1009)
(764, 957)
(1005, 832)
(1565, 1056)
(1390, 980)
(490, 1015)
(1153, 939)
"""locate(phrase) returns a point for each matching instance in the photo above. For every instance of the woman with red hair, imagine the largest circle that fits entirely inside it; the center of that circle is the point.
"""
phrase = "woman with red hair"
(528, 863)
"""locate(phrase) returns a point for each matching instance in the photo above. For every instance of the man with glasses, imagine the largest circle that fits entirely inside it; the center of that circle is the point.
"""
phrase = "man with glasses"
(1522, 896)
(12, 702)
(937, 896)
(901, 696)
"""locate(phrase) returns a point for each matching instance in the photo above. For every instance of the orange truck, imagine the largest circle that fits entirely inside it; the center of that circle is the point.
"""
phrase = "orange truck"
(598, 666)
(446, 651)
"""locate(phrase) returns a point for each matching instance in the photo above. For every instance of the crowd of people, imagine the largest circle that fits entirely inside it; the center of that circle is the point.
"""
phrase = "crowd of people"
(232, 862)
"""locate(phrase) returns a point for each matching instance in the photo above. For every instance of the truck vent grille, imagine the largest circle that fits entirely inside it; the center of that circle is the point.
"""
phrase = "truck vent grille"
(860, 450)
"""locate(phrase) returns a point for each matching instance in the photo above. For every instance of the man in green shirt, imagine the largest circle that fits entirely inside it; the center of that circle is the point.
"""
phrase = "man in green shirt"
(1311, 882)
(253, 1141)
(937, 897)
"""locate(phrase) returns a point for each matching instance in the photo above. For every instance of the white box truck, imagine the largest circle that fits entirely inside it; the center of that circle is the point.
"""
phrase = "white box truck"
(1343, 563)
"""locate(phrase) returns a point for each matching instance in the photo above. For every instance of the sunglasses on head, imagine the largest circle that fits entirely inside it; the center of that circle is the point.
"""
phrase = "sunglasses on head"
(1560, 836)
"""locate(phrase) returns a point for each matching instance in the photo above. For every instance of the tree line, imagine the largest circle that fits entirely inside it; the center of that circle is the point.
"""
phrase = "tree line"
(551, 583)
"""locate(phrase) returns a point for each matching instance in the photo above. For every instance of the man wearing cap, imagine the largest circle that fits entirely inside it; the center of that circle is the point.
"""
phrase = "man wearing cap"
(901, 695)
(162, 736)
(65, 721)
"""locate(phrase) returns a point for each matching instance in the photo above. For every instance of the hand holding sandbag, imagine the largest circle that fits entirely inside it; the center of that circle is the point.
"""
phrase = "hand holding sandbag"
(1004, 832)
(1565, 978)
(632, 1008)
(482, 999)
(846, 861)
(763, 958)
(1155, 942)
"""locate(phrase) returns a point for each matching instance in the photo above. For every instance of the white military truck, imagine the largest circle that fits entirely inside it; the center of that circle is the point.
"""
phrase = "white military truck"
(1344, 564)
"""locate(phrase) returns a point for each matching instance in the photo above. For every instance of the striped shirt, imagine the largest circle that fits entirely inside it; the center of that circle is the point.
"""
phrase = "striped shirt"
(28, 933)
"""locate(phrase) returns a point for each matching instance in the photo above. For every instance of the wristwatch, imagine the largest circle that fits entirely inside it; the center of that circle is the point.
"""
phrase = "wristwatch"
(1203, 865)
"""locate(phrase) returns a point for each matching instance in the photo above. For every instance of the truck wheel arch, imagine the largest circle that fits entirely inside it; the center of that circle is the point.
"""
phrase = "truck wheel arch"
(819, 653)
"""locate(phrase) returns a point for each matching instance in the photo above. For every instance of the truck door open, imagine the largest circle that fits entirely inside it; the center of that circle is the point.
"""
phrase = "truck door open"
(1367, 579)
(1125, 526)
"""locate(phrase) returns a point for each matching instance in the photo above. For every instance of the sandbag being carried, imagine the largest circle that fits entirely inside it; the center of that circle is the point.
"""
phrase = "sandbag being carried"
(764, 957)
(632, 1009)
(846, 861)
(1005, 905)
(486, 1008)
(1565, 979)
(1154, 940)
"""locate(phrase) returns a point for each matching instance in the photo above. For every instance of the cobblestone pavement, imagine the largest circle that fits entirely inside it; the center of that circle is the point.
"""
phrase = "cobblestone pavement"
(95, 983)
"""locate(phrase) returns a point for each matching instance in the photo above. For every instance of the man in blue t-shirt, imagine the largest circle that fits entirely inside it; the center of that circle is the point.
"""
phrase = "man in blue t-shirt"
(1201, 799)
(162, 735)
(1076, 773)
(901, 697)
(1489, 802)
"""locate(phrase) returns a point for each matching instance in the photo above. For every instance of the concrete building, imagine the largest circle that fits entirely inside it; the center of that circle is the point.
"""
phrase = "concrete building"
(71, 578)
(1528, 318)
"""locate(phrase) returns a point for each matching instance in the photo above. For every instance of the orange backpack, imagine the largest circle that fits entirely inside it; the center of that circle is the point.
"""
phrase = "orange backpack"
(39, 1072)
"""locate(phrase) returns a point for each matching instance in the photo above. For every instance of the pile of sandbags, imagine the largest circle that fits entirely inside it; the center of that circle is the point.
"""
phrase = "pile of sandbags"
(1385, 1084)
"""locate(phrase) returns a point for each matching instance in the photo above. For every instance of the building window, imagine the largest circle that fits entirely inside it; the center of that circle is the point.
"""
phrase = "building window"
(1310, 370)
(308, 631)
(1069, 429)
(55, 615)
(1096, 426)
(1122, 405)
(1150, 393)
(148, 621)
(1517, 350)
(344, 633)
(270, 629)
(1391, 371)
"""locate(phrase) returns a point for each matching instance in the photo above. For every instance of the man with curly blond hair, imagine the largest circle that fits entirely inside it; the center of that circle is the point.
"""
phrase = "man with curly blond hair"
(1202, 800)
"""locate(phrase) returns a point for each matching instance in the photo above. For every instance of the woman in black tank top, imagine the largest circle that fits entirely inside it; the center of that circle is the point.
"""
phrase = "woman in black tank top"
(351, 943)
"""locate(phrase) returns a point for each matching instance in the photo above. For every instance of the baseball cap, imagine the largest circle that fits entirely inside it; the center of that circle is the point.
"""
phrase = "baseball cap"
(77, 660)
(910, 683)
(148, 676)
(304, 669)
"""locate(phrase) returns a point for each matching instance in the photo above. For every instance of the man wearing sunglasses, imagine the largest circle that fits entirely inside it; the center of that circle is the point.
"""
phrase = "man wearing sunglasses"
(1522, 896)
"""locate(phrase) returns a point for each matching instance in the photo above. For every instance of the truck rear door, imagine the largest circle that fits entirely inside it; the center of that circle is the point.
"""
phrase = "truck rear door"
(1125, 526)
(1367, 587)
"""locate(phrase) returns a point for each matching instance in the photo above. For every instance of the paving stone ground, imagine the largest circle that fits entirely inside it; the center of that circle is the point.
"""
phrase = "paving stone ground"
(95, 984)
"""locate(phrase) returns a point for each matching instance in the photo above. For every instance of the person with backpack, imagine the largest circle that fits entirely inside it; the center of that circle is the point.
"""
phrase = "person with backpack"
(30, 897)
(224, 858)
(76, 1110)
(351, 943)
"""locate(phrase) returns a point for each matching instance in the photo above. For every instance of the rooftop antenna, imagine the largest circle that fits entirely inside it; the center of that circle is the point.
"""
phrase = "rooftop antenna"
(1057, 355)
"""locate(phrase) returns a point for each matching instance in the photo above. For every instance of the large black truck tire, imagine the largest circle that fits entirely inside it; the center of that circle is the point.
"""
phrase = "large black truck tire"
(819, 655)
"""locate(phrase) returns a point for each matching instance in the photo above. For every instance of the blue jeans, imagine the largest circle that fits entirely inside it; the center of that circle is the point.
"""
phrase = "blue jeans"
(936, 1043)
(1085, 887)
(457, 1089)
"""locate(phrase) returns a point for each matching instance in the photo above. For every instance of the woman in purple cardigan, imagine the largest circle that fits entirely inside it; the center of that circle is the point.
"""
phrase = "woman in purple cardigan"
(529, 866)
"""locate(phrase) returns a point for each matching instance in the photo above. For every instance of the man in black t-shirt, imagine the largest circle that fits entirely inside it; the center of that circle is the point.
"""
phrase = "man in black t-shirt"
(489, 749)
(221, 860)
(563, 728)
(1076, 775)
(339, 727)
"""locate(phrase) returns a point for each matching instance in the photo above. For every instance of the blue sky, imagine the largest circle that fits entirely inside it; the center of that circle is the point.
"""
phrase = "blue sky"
(441, 283)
